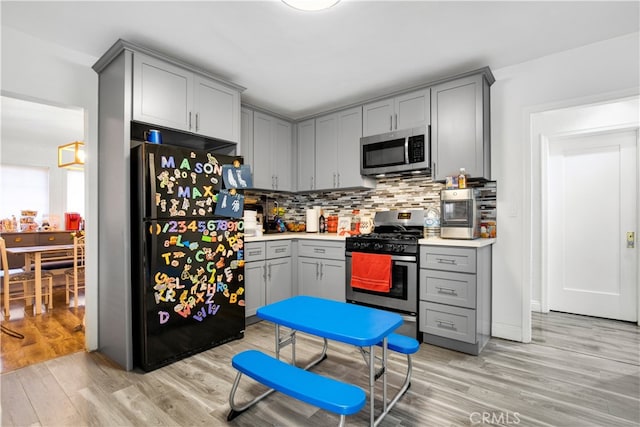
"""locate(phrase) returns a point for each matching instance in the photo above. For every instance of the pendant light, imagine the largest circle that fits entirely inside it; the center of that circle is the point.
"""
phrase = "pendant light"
(71, 156)
(310, 5)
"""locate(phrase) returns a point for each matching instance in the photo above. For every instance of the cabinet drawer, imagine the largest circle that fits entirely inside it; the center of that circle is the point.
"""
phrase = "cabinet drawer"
(254, 251)
(23, 239)
(279, 249)
(62, 238)
(448, 288)
(448, 321)
(462, 260)
(321, 249)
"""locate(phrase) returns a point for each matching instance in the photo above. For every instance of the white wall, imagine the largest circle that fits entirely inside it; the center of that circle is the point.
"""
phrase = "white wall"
(599, 71)
(37, 70)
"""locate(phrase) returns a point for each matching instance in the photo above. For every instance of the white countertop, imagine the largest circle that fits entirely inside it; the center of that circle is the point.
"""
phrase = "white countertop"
(477, 243)
(437, 241)
(292, 236)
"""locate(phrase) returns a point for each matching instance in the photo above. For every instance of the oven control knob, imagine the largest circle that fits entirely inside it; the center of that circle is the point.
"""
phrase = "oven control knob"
(378, 246)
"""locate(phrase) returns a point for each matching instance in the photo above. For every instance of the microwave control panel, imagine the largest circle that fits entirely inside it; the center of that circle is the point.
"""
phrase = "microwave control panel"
(416, 149)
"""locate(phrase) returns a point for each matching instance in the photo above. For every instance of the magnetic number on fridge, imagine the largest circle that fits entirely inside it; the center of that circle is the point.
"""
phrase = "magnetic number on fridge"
(157, 230)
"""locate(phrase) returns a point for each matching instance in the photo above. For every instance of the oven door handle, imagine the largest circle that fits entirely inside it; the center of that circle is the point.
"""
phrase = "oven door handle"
(394, 258)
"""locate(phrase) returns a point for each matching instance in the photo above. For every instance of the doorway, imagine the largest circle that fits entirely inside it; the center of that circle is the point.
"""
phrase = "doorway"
(588, 203)
(32, 130)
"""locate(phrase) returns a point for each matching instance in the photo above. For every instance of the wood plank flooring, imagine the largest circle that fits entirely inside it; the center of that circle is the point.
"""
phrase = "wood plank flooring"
(52, 334)
(578, 371)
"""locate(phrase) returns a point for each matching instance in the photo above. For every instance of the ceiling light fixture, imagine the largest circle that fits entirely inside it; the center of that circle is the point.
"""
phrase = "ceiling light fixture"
(311, 5)
(71, 156)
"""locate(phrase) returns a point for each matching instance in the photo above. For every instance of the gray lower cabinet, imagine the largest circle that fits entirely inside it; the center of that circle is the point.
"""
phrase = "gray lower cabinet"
(267, 272)
(255, 277)
(455, 297)
(321, 269)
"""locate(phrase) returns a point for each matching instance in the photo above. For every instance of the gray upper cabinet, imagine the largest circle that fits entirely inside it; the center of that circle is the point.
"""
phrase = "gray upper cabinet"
(246, 136)
(337, 151)
(401, 112)
(272, 147)
(460, 127)
(168, 95)
(217, 110)
(306, 155)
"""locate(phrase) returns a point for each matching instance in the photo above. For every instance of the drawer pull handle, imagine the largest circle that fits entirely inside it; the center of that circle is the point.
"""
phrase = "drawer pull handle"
(255, 252)
(446, 291)
(281, 250)
(445, 324)
(51, 239)
(18, 239)
(446, 261)
(319, 251)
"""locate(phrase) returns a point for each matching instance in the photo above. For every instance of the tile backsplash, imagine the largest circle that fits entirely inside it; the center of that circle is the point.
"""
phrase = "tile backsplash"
(389, 193)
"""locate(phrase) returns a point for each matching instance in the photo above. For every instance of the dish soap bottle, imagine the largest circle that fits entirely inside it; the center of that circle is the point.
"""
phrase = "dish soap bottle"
(462, 179)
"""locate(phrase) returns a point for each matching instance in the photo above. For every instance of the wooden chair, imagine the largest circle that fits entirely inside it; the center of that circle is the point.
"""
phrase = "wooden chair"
(27, 279)
(75, 274)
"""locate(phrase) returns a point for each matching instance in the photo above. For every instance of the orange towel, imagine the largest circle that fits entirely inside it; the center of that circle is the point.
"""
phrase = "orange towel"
(371, 272)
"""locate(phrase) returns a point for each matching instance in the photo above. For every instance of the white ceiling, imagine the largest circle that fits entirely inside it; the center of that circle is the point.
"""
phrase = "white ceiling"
(300, 63)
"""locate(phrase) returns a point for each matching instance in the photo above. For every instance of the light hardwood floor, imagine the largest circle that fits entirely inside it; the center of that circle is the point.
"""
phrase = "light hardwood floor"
(578, 371)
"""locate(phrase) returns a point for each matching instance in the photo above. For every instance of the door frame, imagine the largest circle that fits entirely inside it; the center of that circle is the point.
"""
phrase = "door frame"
(531, 228)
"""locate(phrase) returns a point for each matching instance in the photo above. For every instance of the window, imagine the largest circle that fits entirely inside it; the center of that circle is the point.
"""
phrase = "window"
(75, 192)
(24, 188)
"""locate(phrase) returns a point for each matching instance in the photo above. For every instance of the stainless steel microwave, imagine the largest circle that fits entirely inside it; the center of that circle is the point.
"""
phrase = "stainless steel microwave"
(406, 151)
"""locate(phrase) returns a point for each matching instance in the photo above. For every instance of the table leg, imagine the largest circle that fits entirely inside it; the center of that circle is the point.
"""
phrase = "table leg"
(384, 375)
(38, 284)
(372, 382)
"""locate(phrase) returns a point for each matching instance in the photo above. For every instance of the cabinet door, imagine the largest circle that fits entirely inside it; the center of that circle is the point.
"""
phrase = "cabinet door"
(281, 156)
(279, 280)
(308, 273)
(217, 110)
(412, 110)
(254, 286)
(162, 93)
(262, 151)
(332, 280)
(377, 117)
(457, 127)
(348, 152)
(246, 137)
(326, 152)
(306, 155)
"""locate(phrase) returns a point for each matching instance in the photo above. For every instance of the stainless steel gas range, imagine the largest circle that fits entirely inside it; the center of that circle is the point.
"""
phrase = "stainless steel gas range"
(396, 234)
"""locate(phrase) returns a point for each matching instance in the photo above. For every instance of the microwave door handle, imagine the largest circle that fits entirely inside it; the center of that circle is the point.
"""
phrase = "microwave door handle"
(406, 150)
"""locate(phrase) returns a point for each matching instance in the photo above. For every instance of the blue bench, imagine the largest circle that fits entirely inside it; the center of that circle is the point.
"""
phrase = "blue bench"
(402, 344)
(323, 392)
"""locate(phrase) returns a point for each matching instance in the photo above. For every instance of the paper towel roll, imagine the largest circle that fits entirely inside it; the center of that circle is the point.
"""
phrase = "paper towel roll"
(312, 221)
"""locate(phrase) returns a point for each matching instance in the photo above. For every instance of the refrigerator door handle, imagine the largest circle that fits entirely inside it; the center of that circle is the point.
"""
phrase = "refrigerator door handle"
(154, 190)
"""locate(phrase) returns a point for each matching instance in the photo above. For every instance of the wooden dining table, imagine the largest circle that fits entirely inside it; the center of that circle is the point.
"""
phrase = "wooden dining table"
(33, 256)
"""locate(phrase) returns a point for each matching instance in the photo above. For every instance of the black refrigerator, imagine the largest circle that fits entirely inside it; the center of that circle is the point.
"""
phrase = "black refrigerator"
(187, 252)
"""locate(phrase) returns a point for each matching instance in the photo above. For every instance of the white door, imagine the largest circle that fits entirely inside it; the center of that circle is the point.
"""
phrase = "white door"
(592, 205)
